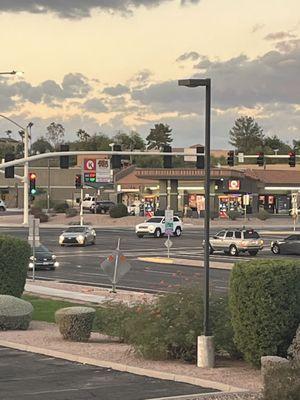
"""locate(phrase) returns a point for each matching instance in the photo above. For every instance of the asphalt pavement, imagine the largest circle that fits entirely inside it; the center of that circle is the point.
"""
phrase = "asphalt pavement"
(82, 264)
(29, 376)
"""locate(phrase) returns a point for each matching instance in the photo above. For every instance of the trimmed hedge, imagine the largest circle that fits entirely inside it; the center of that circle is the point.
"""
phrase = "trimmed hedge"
(61, 207)
(264, 303)
(14, 261)
(118, 211)
(75, 323)
(15, 313)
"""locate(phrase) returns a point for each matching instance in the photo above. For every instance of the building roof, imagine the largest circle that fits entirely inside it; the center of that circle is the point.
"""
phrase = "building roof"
(275, 176)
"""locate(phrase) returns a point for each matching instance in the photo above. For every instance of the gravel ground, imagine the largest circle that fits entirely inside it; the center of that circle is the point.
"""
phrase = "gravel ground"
(45, 335)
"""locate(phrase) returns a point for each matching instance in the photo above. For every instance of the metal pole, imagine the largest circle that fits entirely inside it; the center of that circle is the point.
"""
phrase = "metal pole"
(116, 266)
(26, 194)
(33, 248)
(49, 188)
(81, 206)
(207, 209)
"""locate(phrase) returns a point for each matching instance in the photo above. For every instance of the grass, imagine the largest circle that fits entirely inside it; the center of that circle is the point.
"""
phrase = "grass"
(44, 309)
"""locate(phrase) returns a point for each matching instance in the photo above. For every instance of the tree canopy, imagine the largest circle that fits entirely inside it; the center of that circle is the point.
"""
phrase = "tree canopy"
(159, 136)
(55, 134)
(246, 135)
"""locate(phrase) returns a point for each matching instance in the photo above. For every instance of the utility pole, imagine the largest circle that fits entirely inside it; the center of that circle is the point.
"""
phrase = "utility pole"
(26, 172)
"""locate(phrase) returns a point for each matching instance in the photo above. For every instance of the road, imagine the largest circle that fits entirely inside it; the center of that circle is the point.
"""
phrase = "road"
(29, 376)
(82, 264)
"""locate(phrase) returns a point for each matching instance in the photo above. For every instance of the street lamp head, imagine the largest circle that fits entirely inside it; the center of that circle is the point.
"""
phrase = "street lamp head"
(194, 82)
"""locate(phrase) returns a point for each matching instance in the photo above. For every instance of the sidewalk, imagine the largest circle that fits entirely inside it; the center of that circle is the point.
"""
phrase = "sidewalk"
(100, 350)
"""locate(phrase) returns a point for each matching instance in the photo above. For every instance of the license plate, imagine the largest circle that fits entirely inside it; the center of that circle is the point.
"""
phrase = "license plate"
(46, 263)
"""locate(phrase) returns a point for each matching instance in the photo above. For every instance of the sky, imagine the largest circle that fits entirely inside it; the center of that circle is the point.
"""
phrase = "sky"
(113, 65)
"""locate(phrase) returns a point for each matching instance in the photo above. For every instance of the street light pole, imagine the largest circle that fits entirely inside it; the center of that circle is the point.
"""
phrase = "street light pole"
(205, 342)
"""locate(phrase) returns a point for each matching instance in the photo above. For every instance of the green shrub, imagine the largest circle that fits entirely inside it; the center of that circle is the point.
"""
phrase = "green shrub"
(263, 215)
(15, 313)
(264, 303)
(35, 210)
(61, 207)
(294, 349)
(169, 328)
(233, 215)
(75, 323)
(71, 212)
(118, 211)
(14, 260)
(42, 217)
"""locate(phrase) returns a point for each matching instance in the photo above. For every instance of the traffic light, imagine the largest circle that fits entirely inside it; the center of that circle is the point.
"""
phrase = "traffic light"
(9, 171)
(260, 159)
(116, 158)
(292, 159)
(64, 160)
(200, 158)
(32, 184)
(230, 158)
(167, 160)
(78, 183)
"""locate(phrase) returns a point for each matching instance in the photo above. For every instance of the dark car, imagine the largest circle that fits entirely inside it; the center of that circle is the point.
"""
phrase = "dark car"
(289, 245)
(102, 207)
(44, 259)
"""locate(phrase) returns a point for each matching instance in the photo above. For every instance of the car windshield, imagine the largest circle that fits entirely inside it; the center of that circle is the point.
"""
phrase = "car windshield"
(76, 229)
(42, 249)
(251, 235)
(155, 220)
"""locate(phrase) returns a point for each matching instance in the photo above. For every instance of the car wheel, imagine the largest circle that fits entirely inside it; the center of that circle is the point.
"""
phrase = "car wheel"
(140, 236)
(211, 250)
(178, 231)
(2, 208)
(275, 249)
(157, 233)
(102, 211)
(84, 243)
(94, 241)
(253, 252)
(233, 251)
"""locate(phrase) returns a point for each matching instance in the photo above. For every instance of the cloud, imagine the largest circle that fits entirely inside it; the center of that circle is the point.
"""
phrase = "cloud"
(116, 90)
(94, 105)
(191, 55)
(279, 36)
(257, 27)
(77, 9)
(75, 85)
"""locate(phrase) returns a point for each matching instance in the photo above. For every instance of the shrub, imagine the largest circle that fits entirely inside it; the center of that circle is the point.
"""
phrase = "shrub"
(71, 212)
(168, 328)
(75, 323)
(263, 215)
(14, 260)
(118, 211)
(42, 217)
(294, 349)
(61, 207)
(15, 313)
(233, 215)
(264, 303)
(35, 210)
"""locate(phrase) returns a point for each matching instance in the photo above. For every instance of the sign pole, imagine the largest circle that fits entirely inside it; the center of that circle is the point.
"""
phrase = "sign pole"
(33, 248)
(116, 266)
(168, 247)
(81, 206)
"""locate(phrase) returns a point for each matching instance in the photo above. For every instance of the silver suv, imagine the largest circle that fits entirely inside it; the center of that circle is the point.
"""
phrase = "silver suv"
(235, 241)
(2, 205)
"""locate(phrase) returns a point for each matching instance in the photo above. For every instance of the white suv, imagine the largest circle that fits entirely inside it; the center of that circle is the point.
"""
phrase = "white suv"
(2, 206)
(156, 226)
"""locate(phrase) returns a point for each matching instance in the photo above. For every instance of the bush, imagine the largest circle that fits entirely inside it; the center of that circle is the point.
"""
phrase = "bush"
(71, 212)
(61, 207)
(264, 303)
(42, 217)
(35, 210)
(263, 215)
(14, 261)
(233, 215)
(15, 313)
(294, 349)
(169, 328)
(118, 211)
(75, 323)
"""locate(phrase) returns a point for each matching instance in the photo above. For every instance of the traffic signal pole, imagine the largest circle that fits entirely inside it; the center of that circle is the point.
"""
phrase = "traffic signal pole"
(26, 171)
(81, 206)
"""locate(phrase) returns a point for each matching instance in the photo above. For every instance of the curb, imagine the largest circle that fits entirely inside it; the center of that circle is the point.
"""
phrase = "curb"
(123, 367)
(186, 262)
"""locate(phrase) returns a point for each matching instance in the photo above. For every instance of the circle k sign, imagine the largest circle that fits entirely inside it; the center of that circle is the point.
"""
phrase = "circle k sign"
(90, 164)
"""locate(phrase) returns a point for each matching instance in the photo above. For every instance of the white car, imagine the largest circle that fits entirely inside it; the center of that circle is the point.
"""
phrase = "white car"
(156, 226)
(78, 235)
(2, 206)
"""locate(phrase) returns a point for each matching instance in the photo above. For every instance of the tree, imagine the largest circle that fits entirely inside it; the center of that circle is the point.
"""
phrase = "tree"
(82, 135)
(55, 134)
(131, 141)
(273, 143)
(41, 145)
(98, 141)
(159, 136)
(296, 145)
(246, 135)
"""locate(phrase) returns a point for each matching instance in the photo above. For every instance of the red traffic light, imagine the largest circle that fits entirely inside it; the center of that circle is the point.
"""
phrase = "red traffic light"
(292, 158)
(32, 176)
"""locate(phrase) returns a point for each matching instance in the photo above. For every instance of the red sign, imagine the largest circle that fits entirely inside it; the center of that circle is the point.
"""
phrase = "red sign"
(234, 185)
(89, 164)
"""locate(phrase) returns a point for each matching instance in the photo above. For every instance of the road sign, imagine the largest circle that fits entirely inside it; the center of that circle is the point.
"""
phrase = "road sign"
(115, 266)
(34, 231)
(89, 164)
(246, 199)
(103, 171)
(169, 223)
(168, 243)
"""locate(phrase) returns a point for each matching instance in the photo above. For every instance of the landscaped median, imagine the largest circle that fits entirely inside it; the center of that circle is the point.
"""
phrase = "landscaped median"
(186, 262)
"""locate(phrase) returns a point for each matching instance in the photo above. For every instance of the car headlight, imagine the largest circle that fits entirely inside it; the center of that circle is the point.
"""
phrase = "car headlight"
(53, 256)
(94, 232)
(80, 238)
(151, 228)
(61, 238)
(31, 265)
(261, 242)
(56, 264)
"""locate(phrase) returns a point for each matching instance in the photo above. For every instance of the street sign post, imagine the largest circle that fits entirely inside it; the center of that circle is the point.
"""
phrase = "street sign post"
(169, 228)
(115, 266)
(168, 244)
(33, 238)
(246, 202)
(294, 210)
